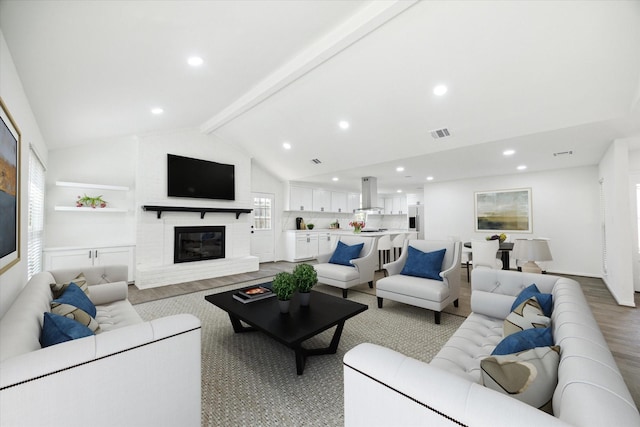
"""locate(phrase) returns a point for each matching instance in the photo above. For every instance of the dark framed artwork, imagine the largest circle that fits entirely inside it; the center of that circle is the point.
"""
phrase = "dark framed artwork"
(9, 190)
(503, 210)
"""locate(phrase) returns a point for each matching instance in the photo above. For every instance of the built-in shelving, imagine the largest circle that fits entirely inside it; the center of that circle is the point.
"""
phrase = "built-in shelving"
(202, 211)
(93, 186)
(87, 209)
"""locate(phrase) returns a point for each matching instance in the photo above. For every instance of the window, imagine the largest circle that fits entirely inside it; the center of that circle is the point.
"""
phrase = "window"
(35, 234)
(262, 213)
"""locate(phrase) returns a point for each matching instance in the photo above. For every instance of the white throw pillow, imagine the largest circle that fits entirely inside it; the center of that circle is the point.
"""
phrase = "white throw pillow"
(527, 315)
(530, 376)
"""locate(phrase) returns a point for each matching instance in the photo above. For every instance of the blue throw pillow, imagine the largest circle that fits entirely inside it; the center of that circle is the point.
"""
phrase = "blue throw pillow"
(545, 300)
(424, 264)
(524, 340)
(76, 297)
(57, 329)
(345, 253)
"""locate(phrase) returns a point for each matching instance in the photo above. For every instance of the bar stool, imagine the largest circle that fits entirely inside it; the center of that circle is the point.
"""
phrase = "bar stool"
(397, 243)
(384, 250)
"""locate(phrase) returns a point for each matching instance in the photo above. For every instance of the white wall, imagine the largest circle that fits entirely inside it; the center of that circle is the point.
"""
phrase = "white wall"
(13, 280)
(614, 172)
(564, 204)
(634, 181)
(110, 162)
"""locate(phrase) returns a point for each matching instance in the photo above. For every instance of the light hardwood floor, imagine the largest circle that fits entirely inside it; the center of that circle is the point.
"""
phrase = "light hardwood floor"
(619, 325)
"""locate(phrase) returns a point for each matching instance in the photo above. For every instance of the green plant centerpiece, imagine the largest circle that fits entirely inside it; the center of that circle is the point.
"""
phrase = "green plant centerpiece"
(92, 202)
(284, 285)
(305, 277)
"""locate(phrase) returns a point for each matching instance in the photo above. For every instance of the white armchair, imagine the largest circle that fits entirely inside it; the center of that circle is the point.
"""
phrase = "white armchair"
(432, 294)
(361, 270)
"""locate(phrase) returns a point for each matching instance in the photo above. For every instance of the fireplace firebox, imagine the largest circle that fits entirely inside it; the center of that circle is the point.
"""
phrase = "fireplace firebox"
(198, 243)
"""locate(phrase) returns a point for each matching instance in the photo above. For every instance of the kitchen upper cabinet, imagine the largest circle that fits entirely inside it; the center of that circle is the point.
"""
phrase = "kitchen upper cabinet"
(301, 199)
(321, 200)
(399, 205)
(339, 201)
(388, 205)
(353, 202)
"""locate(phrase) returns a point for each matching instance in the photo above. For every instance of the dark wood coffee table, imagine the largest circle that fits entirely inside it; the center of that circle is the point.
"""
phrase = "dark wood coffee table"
(295, 327)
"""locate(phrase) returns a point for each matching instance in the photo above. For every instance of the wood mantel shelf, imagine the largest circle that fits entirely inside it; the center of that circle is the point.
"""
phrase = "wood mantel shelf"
(203, 211)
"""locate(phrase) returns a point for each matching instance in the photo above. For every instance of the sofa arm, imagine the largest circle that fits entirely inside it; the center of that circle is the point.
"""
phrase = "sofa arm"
(144, 374)
(108, 292)
(410, 392)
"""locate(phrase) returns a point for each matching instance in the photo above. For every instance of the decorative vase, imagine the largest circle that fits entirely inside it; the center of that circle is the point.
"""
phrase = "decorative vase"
(304, 298)
(357, 229)
(284, 306)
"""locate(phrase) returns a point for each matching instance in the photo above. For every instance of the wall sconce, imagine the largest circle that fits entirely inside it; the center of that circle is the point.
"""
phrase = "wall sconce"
(532, 250)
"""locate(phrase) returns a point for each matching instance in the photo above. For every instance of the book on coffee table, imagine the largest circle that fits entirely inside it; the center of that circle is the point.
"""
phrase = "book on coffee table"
(253, 293)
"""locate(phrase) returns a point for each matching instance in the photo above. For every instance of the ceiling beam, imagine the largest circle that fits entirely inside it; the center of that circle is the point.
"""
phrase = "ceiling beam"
(359, 25)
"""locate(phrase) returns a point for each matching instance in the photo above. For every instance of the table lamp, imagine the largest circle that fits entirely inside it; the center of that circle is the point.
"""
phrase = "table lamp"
(532, 250)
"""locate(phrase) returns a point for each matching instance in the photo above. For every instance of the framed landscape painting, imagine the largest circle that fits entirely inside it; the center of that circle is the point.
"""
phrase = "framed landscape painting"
(9, 190)
(504, 210)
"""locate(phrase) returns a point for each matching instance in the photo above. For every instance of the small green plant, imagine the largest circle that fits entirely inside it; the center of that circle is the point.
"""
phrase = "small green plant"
(284, 285)
(92, 202)
(310, 226)
(305, 277)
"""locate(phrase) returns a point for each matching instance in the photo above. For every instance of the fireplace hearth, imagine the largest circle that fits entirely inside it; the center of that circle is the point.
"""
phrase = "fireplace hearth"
(198, 243)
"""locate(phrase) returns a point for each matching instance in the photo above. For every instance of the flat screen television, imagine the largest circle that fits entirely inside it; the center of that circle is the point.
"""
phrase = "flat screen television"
(200, 179)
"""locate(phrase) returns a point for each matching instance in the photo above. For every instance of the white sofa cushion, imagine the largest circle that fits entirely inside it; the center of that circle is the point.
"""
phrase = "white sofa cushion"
(417, 287)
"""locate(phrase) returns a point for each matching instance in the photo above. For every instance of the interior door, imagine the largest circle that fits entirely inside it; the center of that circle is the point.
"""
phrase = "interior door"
(262, 223)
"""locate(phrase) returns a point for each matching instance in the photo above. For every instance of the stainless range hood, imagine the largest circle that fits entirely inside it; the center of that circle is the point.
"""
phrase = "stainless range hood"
(370, 194)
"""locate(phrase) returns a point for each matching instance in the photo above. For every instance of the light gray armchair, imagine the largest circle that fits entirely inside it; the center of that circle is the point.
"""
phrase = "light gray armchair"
(432, 294)
(360, 270)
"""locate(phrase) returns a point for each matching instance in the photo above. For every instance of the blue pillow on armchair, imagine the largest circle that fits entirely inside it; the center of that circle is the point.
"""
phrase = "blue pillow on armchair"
(424, 264)
(345, 253)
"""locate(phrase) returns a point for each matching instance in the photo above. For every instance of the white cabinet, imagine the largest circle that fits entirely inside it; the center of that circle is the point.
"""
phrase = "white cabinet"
(399, 205)
(324, 243)
(338, 201)
(388, 205)
(59, 258)
(301, 199)
(353, 202)
(321, 200)
(301, 246)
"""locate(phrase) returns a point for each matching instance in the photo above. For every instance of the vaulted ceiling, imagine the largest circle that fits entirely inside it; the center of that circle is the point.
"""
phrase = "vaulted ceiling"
(535, 77)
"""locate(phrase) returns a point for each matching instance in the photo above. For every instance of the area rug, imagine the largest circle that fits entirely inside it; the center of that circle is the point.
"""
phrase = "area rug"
(250, 380)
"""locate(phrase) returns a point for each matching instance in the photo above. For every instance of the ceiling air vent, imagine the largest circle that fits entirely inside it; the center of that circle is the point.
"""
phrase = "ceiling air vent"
(440, 133)
(563, 153)
(316, 161)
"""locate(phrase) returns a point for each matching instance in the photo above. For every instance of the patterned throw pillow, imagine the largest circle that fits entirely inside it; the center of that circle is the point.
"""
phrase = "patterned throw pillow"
(59, 288)
(545, 300)
(57, 329)
(525, 316)
(74, 304)
(530, 376)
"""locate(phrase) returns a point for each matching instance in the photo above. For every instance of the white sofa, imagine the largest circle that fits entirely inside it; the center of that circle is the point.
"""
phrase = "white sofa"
(448, 391)
(131, 373)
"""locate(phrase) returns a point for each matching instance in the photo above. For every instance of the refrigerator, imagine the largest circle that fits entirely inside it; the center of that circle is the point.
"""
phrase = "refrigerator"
(416, 219)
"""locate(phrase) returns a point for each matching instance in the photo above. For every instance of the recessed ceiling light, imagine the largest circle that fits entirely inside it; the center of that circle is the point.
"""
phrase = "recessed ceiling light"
(399, 168)
(429, 178)
(439, 90)
(398, 191)
(157, 110)
(335, 178)
(195, 61)
(508, 152)
(343, 124)
(286, 146)
(522, 167)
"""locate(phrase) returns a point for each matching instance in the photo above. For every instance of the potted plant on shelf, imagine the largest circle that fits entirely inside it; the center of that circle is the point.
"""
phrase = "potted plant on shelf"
(305, 277)
(92, 202)
(284, 286)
